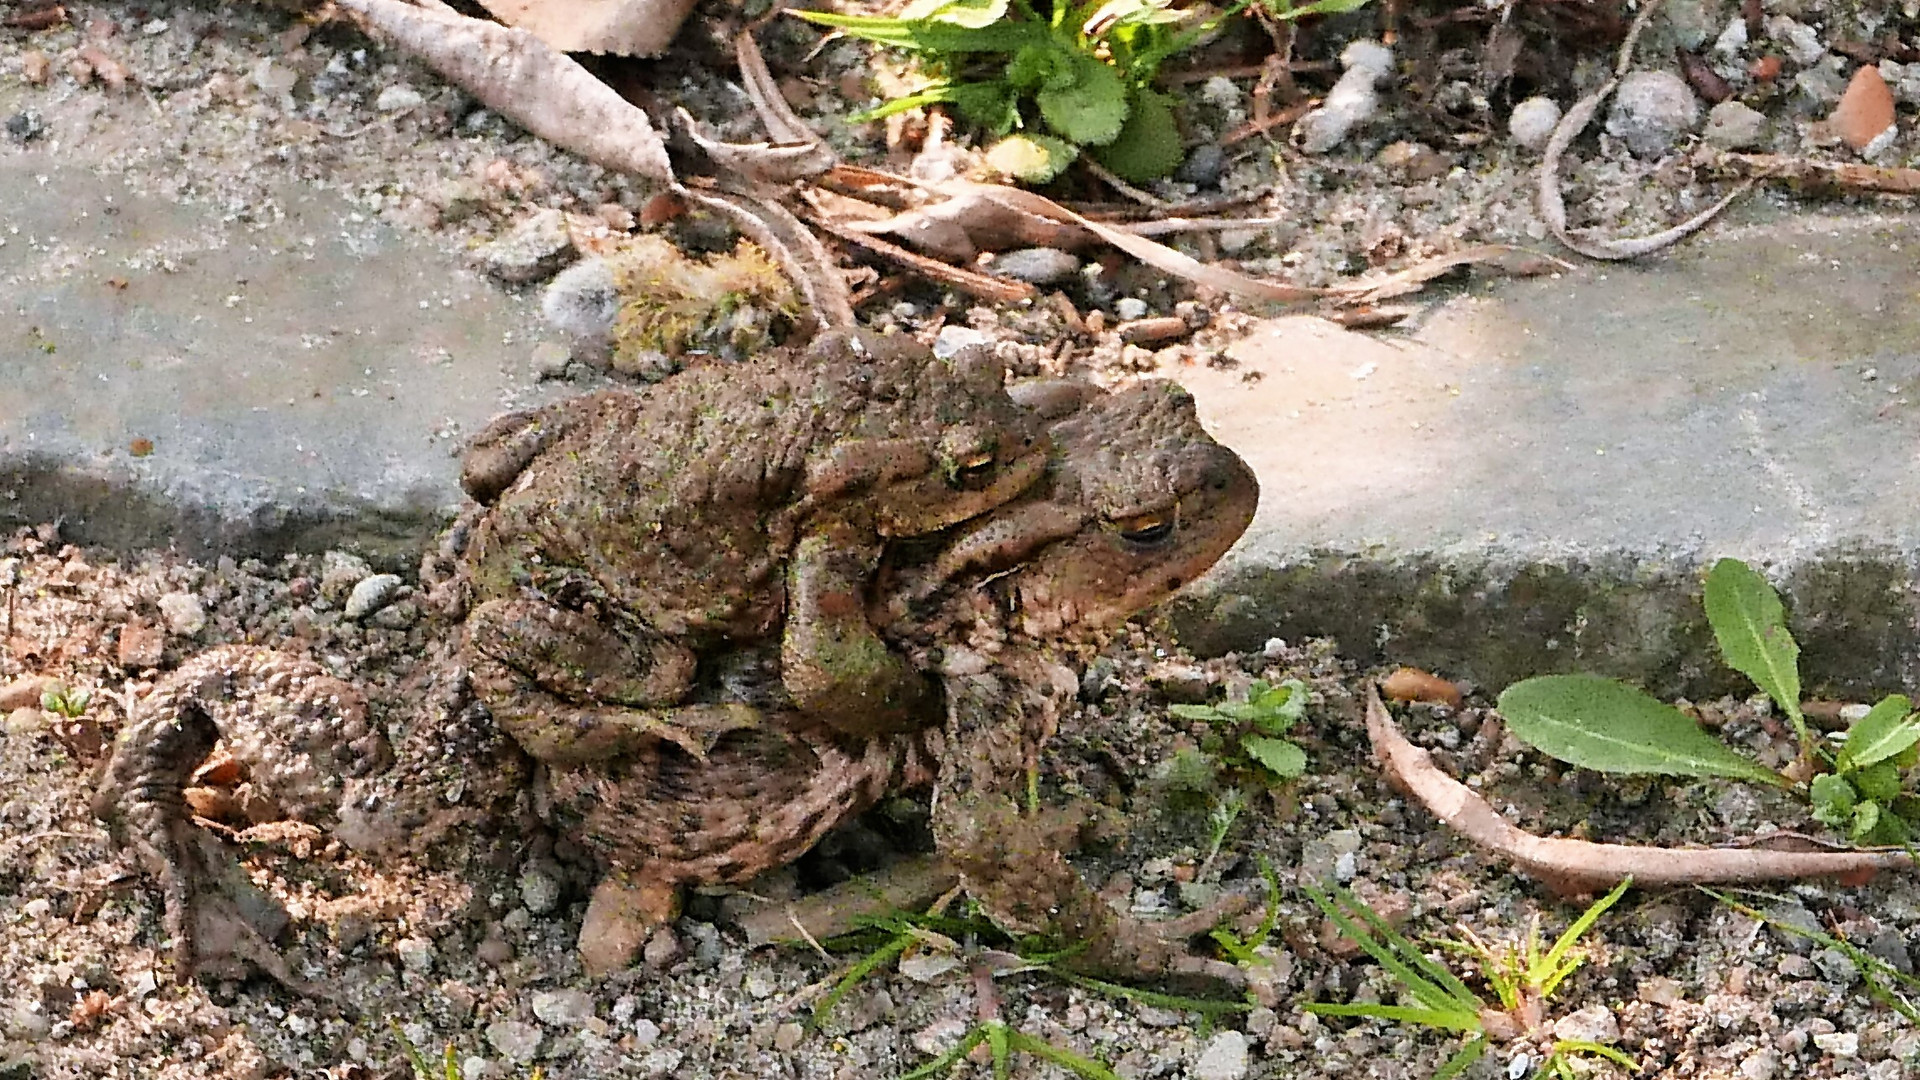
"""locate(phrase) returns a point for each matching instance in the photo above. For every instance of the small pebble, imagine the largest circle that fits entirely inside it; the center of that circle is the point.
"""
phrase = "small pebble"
(416, 954)
(1532, 122)
(370, 595)
(662, 949)
(1130, 307)
(397, 97)
(340, 571)
(786, 1037)
(645, 1033)
(515, 1040)
(1225, 1057)
(1037, 266)
(539, 890)
(1651, 110)
(1203, 166)
(951, 339)
(1841, 1044)
(583, 300)
(184, 614)
(1595, 1023)
(532, 250)
(1732, 125)
(563, 1008)
(550, 360)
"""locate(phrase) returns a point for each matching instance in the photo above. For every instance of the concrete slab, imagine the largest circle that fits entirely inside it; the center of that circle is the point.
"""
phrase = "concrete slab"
(173, 372)
(1532, 478)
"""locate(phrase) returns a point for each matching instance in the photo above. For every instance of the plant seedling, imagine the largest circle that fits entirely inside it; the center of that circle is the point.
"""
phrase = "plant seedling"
(1082, 72)
(1602, 724)
(1523, 979)
(449, 1066)
(1881, 979)
(1268, 713)
(68, 703)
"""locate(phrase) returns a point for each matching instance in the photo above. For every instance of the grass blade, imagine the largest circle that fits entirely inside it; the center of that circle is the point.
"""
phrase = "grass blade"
(1556, 961)
(1432, 985)
(1466, 1056)
(1061, 1056)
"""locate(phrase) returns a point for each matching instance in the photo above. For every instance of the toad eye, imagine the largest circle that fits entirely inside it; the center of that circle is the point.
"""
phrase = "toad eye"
(1146, 530)
(974, 473)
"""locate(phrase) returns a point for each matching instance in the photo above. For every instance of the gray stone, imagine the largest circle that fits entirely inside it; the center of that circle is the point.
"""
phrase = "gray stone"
(1037, 266)
(1801, 41)
(1890, 945)
(532, 250)
(398, 97)
(563, 1008)
(1651, 110)
(539, 889)
(583, 300)
(1203, 166)
(1595, 1024)
(1836, 966)
(1225, 1057)
(183, 612)
(1732, 125)
(1532, 122)
(515, 1040)
(371, 594)
(951, 339)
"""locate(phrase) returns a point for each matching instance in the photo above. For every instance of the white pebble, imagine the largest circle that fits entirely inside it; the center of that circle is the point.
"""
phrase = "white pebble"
(1533, 121)
(183, 612)
(563, 1008)
(514, 1039)
(583, 299)
(398, 97)
(371, 594)
(1130, 307)
(952, 339)
(1225, 1058)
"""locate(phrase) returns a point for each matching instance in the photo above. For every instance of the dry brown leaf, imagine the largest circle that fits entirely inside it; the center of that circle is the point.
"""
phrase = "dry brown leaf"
(1518, 262)
(621, 27)
(1844, 177)
(1578, 866)
(972, 282)
(523, 79)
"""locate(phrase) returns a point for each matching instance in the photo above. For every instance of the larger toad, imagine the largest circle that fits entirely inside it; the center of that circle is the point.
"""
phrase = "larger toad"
(1138, 502)
(639, 530)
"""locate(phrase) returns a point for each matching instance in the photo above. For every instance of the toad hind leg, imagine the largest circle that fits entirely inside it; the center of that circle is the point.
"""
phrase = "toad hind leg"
(571, 691)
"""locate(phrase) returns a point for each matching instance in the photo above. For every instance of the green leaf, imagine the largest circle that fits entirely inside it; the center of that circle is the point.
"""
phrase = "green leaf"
(1033, 159)
(972, 14)
(1278, 756)
(1085, 101)
(1466, 1056)
(1601, 724)
(1033, 66)
(1866, 817)
(1879, 781)
(929, 36)
(1833, 799)
(1886, 731)
(1751, 627)
(1149, 144)
(1284, 10)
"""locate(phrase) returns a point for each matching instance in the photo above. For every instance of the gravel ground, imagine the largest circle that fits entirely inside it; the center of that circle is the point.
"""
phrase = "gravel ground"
(224, 102)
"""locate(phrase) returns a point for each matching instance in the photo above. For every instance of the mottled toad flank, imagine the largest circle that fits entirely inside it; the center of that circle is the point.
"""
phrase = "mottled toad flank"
(725, 773)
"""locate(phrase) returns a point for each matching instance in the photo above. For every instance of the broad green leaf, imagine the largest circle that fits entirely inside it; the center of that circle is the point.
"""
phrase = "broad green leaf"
(1600, 724)
(1085, 102)
(929, 36)
(1879, 781)
(988, 105)
(972, 14)
(1278, 756)
(1751, 627)
(1833, 798)
(1035, 65)
(1149, 144)
(1886, 730)
(1036, 159)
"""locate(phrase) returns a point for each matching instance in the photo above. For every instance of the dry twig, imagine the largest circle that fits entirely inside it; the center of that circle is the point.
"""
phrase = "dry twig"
(1578, 866)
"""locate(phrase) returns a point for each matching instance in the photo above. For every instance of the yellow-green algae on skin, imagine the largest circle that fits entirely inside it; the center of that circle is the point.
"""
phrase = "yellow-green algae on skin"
(730, 304)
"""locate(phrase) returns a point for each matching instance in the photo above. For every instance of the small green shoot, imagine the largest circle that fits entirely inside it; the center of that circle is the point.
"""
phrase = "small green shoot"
(1882, 980)
(1597, 723)
(1522, 976)
(65, 702)
(1268, 713)
(1005, 1042)
(1220, 820)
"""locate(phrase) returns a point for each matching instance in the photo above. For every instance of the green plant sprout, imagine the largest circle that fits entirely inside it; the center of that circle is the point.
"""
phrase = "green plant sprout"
(889, 937)
(62, 701)
(1601, 724)
(1258, 722)
(1083, 72)
(1523, 979)
(1879, 977)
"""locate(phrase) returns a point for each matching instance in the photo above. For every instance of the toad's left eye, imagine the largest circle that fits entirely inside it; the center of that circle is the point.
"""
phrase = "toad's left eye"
(975, 472)
(1146, 530)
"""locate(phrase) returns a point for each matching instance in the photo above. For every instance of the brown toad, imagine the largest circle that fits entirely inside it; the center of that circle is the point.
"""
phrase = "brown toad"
(1139, 501)
(629, 532)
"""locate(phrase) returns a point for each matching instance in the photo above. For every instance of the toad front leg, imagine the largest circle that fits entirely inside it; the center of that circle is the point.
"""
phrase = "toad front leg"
(834, 665)
(571, 691)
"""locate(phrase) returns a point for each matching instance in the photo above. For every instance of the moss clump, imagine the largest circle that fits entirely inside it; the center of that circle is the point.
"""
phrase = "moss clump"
(729, 305)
